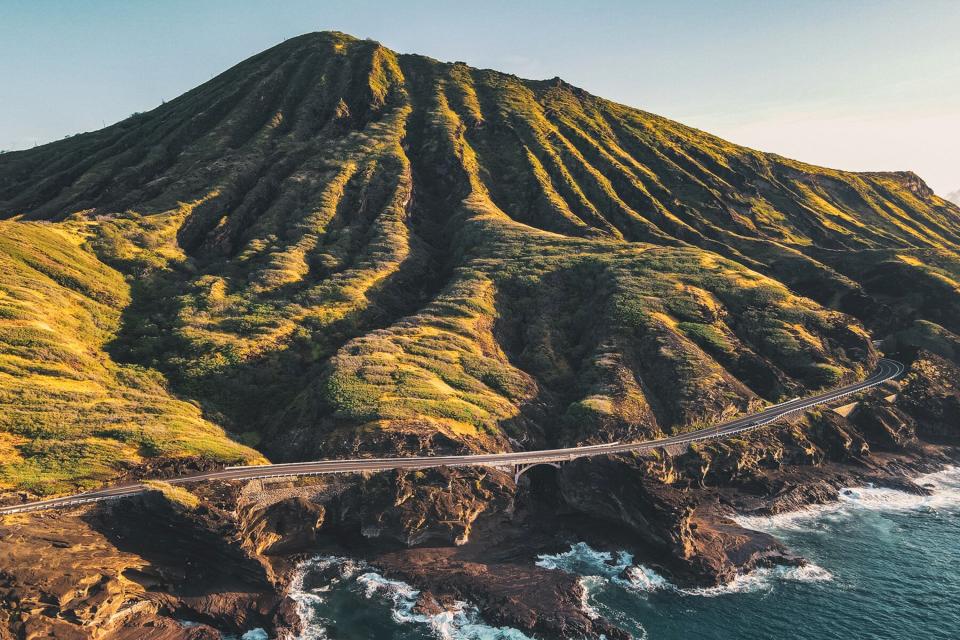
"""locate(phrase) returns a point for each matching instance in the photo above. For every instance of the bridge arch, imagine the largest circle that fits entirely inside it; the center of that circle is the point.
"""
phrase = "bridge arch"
(519, 469)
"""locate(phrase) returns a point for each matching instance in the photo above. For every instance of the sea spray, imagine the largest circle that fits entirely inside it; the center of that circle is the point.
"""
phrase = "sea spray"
(253, 634)
(886, 569)
(583, 559)
(322, 579)
(855, 597)
(601, 568)
(762, 579)
(945, 494)
(619, 590)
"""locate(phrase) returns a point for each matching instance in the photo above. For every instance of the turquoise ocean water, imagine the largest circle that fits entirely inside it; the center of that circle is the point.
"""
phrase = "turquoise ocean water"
(883, 565)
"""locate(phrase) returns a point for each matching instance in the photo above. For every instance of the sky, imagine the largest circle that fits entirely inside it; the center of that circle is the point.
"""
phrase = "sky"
(849, 84)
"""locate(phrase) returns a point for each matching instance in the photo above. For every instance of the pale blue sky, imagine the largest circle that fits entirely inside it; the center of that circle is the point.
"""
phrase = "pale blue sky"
(850, 84)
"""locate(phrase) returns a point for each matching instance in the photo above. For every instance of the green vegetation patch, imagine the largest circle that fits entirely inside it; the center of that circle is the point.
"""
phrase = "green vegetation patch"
(71, 416)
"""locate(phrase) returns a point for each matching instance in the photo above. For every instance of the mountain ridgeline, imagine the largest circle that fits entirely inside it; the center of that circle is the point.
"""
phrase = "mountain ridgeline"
(335, 249)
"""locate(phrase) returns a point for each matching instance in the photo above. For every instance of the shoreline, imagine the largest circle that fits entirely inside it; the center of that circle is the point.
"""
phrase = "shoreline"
(902, 473)
(853, 497)
(473, 541)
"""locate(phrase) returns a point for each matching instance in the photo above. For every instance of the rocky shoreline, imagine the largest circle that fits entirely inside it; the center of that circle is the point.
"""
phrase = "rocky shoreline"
(138, 568)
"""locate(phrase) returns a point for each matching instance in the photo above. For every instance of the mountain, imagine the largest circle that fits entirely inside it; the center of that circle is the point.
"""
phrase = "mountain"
(336, 248)
(333, 249)
(954, 197)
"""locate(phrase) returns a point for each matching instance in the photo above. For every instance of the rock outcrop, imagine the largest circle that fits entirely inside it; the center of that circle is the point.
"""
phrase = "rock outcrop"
(284, 527)
(430, 506)
(931, 395)
(129, 569)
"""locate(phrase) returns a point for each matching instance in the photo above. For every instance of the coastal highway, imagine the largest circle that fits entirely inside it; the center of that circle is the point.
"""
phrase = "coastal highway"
(886, 370)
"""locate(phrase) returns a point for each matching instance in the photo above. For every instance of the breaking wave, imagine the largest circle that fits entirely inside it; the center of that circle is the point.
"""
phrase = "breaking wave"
(598, 569)
(944, 485)
(763, 579)
(461, 622)
(253, 634)
(583, 559)
(885, 530)
(600, 573)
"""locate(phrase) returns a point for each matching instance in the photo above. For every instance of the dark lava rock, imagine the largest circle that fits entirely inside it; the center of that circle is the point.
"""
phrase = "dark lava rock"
(931, 395)
(430, 506)
(695, 542)
(883, 425)
(283, 527)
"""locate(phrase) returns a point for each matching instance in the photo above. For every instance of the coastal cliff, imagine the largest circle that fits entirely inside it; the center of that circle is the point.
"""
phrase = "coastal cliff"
(222, 557)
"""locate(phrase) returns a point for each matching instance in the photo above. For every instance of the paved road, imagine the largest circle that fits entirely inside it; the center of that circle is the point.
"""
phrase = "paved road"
(886, 370)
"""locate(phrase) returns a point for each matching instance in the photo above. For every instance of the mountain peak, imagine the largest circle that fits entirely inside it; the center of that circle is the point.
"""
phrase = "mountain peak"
(545, 153)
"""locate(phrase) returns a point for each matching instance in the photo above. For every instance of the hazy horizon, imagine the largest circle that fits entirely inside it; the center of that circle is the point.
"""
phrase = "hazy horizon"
(860, 86)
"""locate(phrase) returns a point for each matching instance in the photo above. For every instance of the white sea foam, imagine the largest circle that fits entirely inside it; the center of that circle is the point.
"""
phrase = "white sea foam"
(309, 599)
(589, 584)
(584, 560)
(763, 579)
(593, 584)
(643, 578)
(945, 487)
(400, 594)
(253, 634)
(599, 569)
(461, 622)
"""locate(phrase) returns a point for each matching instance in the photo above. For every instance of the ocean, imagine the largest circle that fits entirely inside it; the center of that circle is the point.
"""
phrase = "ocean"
(883, 565)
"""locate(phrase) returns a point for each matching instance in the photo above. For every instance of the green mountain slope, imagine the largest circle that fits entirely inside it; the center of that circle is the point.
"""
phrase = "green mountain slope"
(71, 416)
(335, 249)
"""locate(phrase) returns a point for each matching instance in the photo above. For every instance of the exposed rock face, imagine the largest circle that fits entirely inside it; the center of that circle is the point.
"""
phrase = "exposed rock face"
(128, 569)
(453, 534)
(913, 182)
(413, 437)
(837, 439)
(162, 467)
(930, 394)
(692, 540)
(56, 574)
(430, 506)
(885, 426)
(611, 488)
(283, 527)
(506, 588)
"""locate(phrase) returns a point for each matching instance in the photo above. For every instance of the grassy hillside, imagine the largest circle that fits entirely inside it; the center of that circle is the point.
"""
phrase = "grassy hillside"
(71, 416)
(333, 248)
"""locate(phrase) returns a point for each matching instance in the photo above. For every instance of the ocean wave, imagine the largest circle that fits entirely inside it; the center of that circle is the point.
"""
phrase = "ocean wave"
(763, 579)
(642, 578)
(253, 634)
(945, 487)
(599, 569)
(461, 622)
(584, 560)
